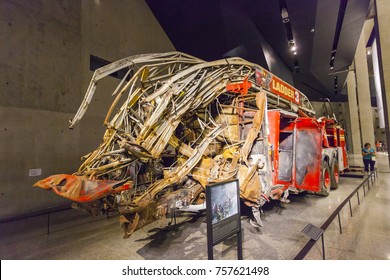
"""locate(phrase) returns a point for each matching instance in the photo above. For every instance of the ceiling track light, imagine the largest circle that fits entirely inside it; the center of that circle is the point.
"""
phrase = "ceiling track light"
(290, 39)
(291, 45)
(332, 58)
(284, 14)
(331, 64)
(339, 24)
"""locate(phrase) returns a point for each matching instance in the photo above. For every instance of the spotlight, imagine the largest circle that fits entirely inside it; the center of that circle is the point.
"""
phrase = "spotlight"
(284, 15)
(331, 67)
(295, 53)
(292, 46)
(368, 52)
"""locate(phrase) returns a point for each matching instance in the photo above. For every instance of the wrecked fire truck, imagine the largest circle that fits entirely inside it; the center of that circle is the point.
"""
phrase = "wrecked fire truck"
(178, 124)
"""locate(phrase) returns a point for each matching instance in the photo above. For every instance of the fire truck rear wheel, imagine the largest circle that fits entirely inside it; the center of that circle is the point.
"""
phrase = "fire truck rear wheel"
(325, 179)
(335, 174)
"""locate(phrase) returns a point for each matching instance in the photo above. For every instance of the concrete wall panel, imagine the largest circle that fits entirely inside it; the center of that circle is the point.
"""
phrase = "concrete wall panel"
(107, 26)
(32, 139)
(35, 60)
(44, 72)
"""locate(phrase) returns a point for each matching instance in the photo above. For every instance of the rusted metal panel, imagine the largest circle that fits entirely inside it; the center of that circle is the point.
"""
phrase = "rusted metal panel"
(81, 189)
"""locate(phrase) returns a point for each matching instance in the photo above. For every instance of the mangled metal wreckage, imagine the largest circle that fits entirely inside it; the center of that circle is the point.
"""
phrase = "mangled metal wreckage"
(177, 124)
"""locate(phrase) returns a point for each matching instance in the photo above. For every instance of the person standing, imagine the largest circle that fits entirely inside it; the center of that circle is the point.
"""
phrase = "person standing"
(368, 158)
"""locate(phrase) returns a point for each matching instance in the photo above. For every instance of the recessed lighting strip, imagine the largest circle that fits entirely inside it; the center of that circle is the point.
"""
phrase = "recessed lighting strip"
(339, 24)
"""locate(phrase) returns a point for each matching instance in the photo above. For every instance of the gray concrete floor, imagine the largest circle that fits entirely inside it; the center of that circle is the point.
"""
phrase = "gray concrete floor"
(76, 235)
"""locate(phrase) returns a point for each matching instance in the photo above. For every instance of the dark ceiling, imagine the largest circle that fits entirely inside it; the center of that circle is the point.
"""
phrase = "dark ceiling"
(254, 30)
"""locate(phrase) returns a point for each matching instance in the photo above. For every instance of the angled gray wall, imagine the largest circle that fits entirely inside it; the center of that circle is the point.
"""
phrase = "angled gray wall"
(44, 72)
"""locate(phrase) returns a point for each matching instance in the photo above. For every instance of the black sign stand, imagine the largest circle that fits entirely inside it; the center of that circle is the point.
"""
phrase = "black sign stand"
(221, 228)
(210, 245)
(315, 233)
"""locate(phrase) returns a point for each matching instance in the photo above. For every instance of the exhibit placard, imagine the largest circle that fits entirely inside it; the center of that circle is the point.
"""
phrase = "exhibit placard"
(312, 231)
(223, 214)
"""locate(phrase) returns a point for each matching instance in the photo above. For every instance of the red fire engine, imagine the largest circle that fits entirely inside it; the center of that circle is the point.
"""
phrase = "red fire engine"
(307, 154)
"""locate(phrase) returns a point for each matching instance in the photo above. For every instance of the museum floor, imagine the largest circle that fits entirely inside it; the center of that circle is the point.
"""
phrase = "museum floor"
(76, 235)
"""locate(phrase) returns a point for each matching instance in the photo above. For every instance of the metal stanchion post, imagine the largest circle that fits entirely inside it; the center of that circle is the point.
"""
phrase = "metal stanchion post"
(323, 247)
(350, 207)
(48, 223)
(357, 193)
(239, 246)
(338, 214)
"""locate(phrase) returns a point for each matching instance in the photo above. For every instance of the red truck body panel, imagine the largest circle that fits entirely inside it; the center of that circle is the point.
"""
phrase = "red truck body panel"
(300, 145)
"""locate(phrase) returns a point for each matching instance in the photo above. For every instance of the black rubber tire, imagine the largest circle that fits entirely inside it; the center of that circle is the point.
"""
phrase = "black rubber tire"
(335, 174)
(325, 182)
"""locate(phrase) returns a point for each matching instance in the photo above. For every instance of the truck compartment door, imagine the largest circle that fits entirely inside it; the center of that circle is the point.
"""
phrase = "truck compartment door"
(308, 156)
(285, 157)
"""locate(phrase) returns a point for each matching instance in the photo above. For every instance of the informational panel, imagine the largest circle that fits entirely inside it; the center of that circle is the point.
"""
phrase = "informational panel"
(223, 214)
(312, 231)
